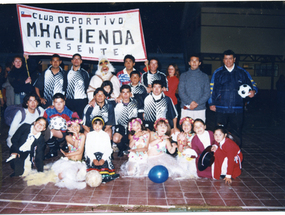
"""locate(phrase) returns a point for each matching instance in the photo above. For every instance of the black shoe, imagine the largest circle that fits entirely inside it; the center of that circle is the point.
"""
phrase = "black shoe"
(120, 154)
(110, 178)
(126, 152)
(50, 154)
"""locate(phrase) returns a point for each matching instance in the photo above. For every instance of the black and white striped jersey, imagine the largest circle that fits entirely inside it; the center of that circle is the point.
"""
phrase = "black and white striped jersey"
(106, 112)
(147, 78)
(124, 112)
(160, 108)
(139, 94)
(76, 84)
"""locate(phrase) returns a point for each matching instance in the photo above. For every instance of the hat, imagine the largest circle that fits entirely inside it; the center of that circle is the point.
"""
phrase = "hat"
(206, 159)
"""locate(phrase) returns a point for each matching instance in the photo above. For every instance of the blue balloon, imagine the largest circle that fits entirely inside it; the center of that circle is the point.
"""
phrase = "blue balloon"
(158, 174)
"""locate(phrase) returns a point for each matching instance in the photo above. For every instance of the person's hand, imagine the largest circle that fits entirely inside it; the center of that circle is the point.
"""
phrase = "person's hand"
(149, 89)
(15, 155)
(213, 108)
(193, 105)
(43, 101)
(28, 80)
(146, 63)
(164, 89)
(118, 99)
(63, 152)
(96, 163)
(228, 181)
(26, 56)
(214, 148)
(101, 162)
(251, 93)
(92, 102)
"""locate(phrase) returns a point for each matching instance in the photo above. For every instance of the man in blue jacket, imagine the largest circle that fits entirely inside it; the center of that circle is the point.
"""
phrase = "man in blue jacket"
(225, 100)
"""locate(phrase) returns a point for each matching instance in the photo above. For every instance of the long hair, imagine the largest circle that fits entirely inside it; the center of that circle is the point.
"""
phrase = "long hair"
(176, 69)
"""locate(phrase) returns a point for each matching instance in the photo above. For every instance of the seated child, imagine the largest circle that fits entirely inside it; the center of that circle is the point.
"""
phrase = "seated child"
(186, 155)
(159, 143)
(139, 140)
(28, 146)
(98, 151)
(71, 170)
(200, 142)
(228, 156)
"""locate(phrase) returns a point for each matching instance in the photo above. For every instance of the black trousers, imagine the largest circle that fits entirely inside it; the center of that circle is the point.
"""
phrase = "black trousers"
(233, 122)
(18, 163)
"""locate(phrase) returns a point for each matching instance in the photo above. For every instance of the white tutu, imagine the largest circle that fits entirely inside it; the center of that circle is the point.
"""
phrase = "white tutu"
(187, 163)
(174, 170)
(134, 168)
(72, 173)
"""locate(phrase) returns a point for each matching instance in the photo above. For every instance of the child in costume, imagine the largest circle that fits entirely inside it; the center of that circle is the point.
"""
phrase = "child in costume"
(139, 141)
(28, 146)
(228, 156)
(71, 170)
(159, 143)
(200, 141)
(186, 155)
(98, 151)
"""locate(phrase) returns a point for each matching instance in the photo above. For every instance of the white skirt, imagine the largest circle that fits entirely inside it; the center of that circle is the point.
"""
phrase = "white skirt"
(72, 172)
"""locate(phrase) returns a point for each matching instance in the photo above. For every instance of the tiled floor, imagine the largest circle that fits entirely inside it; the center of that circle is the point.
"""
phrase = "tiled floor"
(261, 186)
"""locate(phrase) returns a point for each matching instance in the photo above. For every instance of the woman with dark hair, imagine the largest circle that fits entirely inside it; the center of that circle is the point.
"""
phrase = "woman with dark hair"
(172, 75)
(108, 87)
(20, 80)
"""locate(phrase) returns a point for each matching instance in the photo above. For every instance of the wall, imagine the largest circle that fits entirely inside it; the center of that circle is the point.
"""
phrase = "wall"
(246, 31)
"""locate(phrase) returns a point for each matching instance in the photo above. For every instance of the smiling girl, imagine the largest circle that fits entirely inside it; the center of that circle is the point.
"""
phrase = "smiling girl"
(28, 146)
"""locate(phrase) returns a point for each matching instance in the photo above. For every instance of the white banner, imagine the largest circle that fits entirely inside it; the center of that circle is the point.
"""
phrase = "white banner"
(113, 34)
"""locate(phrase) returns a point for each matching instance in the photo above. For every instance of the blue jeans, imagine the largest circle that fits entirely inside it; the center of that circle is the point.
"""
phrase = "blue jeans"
(19, 98)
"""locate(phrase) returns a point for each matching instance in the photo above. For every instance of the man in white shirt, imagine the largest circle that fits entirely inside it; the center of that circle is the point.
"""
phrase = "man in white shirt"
(31, 111)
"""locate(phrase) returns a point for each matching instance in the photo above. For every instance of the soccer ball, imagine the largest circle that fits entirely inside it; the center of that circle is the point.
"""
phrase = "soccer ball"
(57, 123)
(244, 90)
(93, 178)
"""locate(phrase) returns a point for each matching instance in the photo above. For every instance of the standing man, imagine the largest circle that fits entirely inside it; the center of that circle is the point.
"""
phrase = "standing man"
(124, 75)
(152, 75)
(194, 90)
(225, 100)
(77, 85)
(157, 105)
(50, 82)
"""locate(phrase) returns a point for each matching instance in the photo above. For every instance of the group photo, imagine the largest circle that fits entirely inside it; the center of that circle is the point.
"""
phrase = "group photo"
(92, 117)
